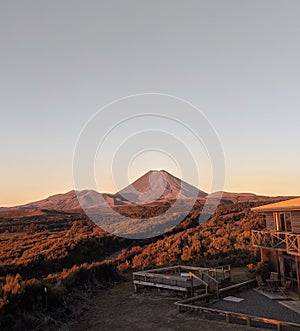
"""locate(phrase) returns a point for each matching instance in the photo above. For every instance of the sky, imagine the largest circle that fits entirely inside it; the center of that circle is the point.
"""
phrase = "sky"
(61, 61)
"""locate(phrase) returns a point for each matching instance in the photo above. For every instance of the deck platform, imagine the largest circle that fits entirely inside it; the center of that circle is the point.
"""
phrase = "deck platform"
(187, 279)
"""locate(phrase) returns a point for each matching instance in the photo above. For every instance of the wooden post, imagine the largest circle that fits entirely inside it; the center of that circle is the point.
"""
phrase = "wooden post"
(248, 321)
(297, 260)
(46, 297)
(202, 313)
(281, 267)
(227, 318)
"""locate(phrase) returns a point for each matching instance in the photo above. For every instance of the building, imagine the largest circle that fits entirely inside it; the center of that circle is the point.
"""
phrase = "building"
(280, 242)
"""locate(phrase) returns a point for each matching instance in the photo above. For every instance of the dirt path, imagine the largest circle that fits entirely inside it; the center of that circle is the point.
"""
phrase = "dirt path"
(120, 308)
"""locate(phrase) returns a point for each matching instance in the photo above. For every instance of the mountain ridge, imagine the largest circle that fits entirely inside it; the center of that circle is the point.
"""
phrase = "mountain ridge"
(155, 185)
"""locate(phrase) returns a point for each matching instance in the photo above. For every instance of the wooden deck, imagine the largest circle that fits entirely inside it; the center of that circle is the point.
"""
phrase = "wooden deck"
(200, 304)
(183, 278)
(228, 315)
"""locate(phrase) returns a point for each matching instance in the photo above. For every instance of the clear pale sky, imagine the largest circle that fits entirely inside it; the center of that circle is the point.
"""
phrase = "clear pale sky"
(238, 61)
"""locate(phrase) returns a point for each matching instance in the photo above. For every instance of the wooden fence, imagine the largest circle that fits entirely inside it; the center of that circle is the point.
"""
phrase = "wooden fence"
(228, 315)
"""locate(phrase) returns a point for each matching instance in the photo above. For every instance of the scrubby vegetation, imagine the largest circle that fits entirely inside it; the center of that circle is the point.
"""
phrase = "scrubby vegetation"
(225, 238)
(46, 257)
(29, 304)
(43, 259)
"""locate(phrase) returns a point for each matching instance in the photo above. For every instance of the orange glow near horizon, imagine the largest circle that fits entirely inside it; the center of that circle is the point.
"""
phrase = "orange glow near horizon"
(28, 191)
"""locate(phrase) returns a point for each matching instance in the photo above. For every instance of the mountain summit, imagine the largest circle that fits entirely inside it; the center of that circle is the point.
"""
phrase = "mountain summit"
(152, 186)
(159, 185)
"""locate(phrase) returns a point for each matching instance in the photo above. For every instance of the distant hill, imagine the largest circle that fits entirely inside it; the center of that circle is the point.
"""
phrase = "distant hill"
(244, 197)
(155, 185)
(68, 201)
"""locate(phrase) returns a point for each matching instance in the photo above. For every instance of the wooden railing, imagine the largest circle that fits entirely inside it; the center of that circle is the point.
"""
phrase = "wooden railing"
(293, 243)
(197, 303)
(229, 316)
(211, 284)
(200, 279)
(286, 241)
(160, 280)
(195, 278)
(269, 239)
(220, 273)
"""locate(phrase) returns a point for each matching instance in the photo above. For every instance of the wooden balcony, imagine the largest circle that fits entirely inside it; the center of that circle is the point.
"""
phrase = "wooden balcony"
(269, 239)
(282, 241)
(293, 243)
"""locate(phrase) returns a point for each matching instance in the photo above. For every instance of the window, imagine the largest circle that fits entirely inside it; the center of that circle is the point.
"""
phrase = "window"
(283, 222)
(288, 222)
